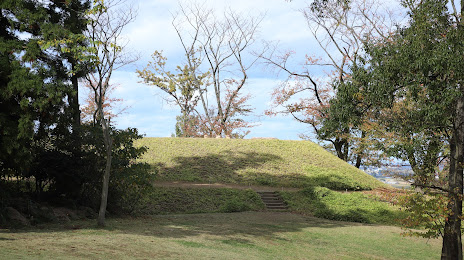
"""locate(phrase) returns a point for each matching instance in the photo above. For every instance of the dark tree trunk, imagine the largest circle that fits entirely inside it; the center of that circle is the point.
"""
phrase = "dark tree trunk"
(341, 148)
(359, 155)
(338, 148)
(73, 100)
(452, 244)
(358, 161)
(76, 112)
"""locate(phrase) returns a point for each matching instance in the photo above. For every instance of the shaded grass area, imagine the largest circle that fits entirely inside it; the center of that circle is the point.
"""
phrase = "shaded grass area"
(249, 235)
(183, 200)
(320, 202)
(350, 206)
(278, 163)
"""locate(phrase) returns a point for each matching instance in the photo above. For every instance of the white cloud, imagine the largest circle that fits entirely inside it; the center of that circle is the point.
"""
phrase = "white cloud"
(153, 30)
(279, 127)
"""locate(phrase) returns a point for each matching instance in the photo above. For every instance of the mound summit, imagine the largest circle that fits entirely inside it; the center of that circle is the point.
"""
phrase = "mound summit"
(271, 162)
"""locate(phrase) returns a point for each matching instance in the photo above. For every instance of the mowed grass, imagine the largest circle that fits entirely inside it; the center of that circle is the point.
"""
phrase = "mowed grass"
(246, 235)
(278, 163)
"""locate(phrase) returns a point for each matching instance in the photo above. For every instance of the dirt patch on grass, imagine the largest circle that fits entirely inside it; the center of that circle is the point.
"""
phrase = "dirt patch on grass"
(180, 184)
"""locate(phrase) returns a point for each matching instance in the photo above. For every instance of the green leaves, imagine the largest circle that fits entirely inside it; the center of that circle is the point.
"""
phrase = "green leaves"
(427, 212)
(40, 41)
(416, 71)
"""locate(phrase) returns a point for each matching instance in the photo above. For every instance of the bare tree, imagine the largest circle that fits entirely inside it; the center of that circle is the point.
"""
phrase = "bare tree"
(216, 63)
(340, 28)
(107, 22)
(224, 44)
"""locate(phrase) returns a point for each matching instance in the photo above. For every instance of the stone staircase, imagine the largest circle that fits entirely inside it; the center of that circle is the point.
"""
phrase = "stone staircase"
(272, 200)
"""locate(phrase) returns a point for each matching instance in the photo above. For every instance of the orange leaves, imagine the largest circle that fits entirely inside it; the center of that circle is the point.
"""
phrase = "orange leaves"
(298, 96)
(312, 60)
(214, 125)
(109, 104)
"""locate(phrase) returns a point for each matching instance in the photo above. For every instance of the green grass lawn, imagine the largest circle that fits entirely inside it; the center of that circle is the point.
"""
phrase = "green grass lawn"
(257, 162)
(246, 235)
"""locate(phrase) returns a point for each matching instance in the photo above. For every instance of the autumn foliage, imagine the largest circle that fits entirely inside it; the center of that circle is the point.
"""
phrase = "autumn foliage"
(111, 105)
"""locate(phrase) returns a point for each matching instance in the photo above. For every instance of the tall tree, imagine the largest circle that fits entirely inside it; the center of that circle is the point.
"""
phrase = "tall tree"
(36, 72)
(16, 120)
(183, 88)
(216, 65)
(70, 17)
(107, 21)
(341, 28)
(419, 67)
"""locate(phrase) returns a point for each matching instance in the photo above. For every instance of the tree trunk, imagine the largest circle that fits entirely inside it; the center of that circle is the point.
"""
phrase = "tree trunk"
(338, 148)
(358, 161)
(452, 244)
(106, 174)
(359, 155)
(74, 100)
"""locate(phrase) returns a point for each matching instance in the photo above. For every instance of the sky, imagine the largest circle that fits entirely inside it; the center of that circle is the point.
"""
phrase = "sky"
(152, 30)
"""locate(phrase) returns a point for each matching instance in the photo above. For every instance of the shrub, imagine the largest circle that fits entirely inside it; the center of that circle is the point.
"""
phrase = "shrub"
(234, 205)
(130, 180)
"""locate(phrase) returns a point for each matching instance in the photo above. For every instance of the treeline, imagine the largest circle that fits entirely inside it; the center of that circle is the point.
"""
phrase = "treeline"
(46, 153)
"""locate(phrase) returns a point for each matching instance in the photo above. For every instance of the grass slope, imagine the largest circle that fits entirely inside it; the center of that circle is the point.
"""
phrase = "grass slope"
(179, 200)
(249, 235)
(344, 206)
(252, 162)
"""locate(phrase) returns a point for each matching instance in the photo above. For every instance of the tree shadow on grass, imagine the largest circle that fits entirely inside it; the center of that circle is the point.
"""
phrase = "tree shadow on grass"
(228, 225)
(232, 227)
(247, 168)
(220, 167)
(245, 230)
(224, 232)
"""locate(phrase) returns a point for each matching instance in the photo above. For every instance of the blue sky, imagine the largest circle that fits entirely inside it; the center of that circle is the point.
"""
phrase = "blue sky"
(152, 30)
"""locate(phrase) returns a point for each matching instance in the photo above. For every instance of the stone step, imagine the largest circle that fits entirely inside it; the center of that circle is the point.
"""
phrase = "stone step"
(270, 193)
(269, 196)
(276, 207)
(272, 200)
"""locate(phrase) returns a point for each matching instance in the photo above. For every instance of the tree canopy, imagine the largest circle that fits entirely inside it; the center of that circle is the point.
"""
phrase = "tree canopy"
(415, 85)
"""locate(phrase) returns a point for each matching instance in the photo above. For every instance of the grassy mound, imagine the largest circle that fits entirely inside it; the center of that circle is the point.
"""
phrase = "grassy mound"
(256, 162)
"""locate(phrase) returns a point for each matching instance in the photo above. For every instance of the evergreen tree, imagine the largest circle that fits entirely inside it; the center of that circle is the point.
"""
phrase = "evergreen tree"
(39, 71)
